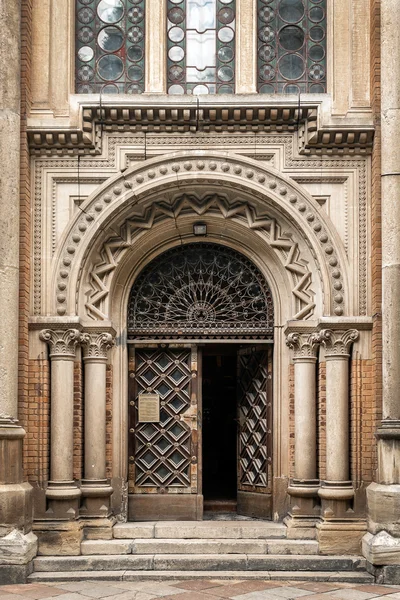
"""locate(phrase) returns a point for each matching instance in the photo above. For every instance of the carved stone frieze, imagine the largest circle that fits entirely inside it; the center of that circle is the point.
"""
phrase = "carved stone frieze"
(96, 345)
(304, 345)
(336, 342)
(240, 173)
(62, 343)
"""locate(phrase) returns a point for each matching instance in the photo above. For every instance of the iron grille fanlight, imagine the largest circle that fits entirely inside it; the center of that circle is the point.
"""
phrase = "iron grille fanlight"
(203, 290)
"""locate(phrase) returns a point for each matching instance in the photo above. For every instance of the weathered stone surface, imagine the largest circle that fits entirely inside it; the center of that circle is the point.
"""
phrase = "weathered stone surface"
(91, 563)
(11, 574)
(381, 549)
(308, 547)
(131, 531)
(93, 547)
(62, 538)
(17, 548)
(340, 538)
(383, 508)
(220, 530)
(203, 562)
(199, 546)
(301, 563)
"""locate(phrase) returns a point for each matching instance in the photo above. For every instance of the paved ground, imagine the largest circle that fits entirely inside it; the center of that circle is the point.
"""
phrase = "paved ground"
(199, 590)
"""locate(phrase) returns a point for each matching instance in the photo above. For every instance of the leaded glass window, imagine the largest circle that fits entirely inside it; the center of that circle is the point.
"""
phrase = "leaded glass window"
(201, 46)
(110, 46)
(291, 46)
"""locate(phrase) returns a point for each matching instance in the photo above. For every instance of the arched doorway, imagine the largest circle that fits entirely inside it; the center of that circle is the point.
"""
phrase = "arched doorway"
(200, 333)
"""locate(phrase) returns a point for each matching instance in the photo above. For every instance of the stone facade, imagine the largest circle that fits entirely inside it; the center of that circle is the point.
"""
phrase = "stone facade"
(304, 187)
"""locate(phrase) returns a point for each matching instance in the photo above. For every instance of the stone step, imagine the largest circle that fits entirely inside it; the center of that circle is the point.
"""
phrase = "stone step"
(198, 562)
(200, 530)
(122, 575)
(199, 546)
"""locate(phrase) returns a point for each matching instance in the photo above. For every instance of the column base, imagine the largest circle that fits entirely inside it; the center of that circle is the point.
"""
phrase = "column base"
(337, 500)
(17, 552)
(340, 537)
(62, 500)
(301, 527)
(95, 498)
(98, 528)
(62, 538)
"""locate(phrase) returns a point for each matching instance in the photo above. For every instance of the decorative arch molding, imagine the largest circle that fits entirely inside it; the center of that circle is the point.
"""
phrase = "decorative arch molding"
(115, 247)
(120, 203)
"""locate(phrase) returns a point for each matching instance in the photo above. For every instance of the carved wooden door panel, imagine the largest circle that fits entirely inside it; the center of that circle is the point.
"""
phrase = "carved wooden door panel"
(163, 455)
(255, 431)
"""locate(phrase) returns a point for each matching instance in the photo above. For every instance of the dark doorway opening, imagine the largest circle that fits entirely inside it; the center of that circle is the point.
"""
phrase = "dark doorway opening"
(219, 393)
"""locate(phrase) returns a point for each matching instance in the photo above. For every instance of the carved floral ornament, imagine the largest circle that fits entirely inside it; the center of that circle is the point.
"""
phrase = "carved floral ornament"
(336, 342)
(63, 343)
(213, 169)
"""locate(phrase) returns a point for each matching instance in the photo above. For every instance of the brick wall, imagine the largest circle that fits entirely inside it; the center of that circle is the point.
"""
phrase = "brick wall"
(376, 259)
(78, 421)
(36, 458)
(109, 383)
(321, 420)
(25, 229)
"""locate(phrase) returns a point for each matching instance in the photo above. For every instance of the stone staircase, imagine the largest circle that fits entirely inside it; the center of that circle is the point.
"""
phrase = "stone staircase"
(200, 549)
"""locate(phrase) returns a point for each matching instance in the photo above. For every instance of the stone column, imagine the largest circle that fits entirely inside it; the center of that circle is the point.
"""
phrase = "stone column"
(17, 543)
(336, 533)
(381, 545)
(96, 491)
(304, 486)
(62, 493)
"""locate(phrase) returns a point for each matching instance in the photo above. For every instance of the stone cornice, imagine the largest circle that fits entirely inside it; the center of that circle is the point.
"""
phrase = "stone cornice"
(170, 114)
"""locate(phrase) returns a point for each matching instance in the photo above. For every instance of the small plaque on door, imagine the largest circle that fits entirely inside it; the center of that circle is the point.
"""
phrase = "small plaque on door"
(149, 408)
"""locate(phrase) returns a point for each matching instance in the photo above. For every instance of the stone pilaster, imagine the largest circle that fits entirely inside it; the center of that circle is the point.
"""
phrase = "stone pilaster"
(381, 546)
(338, 532)
(17, 543)
(95, 488)
(303, 489)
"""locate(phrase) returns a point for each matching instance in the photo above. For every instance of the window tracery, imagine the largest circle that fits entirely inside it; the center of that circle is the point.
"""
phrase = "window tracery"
(200, 290)
(110, 46)
(291, 46)
(201, 46)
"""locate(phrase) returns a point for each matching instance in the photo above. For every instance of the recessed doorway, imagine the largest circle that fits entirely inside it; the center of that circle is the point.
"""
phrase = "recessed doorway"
(219, 391)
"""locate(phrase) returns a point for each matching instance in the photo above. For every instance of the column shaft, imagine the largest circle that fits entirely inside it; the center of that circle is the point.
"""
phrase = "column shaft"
(62, 419)
(305, 419)
(95, 420)
(337, 418)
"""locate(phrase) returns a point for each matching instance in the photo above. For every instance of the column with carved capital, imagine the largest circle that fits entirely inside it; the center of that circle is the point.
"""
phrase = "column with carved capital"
(339, 532)
(96, 491)
(62, 493)
(304, 486)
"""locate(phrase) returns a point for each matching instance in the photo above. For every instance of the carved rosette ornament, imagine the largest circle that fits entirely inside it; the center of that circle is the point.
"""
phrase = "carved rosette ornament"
(62, 343)
(96, 345)
(337, 343)
(304, 345)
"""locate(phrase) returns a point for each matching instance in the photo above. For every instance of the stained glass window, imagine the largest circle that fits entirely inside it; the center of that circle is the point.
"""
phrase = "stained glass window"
(201, 46)
(110, 46)
(291, 46)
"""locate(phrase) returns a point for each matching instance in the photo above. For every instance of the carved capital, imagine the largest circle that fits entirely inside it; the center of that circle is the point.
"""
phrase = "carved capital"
(337, 343)
(62, 343)
(305, 345)
(96, 345)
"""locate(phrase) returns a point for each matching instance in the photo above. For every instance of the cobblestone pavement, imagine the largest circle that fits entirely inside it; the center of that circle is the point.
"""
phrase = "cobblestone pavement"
(199, 590)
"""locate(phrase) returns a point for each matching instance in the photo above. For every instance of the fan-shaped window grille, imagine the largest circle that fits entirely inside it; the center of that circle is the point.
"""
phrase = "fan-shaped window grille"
(201, 291)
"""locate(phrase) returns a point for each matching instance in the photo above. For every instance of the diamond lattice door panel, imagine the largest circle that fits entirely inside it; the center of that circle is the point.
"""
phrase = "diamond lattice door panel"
(254, 431)
(163, 454)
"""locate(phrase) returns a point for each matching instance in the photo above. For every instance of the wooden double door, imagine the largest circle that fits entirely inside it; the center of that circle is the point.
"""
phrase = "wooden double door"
(200, 430)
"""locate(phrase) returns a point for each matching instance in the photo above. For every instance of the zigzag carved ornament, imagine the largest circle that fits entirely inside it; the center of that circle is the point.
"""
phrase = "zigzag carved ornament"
(115, 247)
